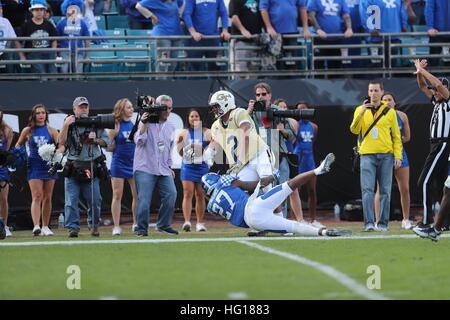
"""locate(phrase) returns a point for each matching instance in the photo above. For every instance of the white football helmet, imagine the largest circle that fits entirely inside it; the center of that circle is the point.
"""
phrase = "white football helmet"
(221, 102)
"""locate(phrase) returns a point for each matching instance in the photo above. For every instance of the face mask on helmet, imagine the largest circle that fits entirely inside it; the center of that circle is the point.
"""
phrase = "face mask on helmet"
(209, 182)
(221, 102)
(216, 110)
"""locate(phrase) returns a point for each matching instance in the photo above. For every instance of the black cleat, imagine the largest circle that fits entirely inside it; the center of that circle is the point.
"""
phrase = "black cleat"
(256, 233)
(95, 232)
(168, 230)
(73, 233)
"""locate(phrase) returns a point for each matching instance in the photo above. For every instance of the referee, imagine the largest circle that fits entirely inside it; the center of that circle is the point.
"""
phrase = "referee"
(436, 163)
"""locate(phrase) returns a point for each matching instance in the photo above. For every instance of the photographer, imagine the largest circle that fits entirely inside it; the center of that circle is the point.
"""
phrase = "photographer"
(152, 160)
(275, 132)
(83, 145)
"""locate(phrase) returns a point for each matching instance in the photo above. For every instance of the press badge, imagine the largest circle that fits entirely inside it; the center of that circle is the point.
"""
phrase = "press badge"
(375, 133)
(161, 146)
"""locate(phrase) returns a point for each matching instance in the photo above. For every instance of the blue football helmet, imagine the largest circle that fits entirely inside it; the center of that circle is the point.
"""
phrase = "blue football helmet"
(209, 182)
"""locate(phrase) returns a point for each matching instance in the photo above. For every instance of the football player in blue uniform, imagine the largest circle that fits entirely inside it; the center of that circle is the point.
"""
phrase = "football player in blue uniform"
(228, 198)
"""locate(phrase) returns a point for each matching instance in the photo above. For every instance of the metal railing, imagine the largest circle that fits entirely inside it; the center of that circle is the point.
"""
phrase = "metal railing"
(302, 57)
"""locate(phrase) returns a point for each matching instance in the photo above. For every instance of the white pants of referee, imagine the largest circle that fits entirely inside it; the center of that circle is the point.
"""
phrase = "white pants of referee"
(259, 213)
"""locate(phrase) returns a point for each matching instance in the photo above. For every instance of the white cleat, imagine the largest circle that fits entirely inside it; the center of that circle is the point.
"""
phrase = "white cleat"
(8, 232)
(46, 231)
(325, 165)
(200, 227)
(186, 226)
(406, 224)
(116, 231)
(317, 224)
(36, 230)
(134, 227)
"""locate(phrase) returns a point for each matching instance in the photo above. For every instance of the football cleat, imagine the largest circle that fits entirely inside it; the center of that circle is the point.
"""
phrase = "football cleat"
(325, 165)
(338, 232)
(429, 233)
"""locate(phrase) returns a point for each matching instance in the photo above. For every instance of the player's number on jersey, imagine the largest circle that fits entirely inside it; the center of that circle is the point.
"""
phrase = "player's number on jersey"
(217, 208)
(233, 148)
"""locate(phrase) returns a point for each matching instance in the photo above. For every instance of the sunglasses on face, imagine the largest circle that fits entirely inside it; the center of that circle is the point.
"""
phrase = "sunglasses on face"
(261, 94)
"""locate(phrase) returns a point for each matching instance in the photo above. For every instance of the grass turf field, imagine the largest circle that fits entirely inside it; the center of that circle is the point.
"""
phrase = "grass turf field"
(223, 263)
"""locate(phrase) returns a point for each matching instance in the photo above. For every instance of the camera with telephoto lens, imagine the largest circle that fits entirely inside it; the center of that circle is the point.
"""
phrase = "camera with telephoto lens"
(147, 105)
(100, 121)
(280, 115)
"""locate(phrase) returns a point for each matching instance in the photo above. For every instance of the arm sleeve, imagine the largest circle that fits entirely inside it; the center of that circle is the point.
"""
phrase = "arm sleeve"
(356, 126)
(301, 4)
(312, 6)
(403, 16)
(233, 9)
(264, 5)
(363, 14)
(140, 139)
(223, 14)
(188, 11)
(290, 131)
(241, 117)
(344, 9)
(429, 14)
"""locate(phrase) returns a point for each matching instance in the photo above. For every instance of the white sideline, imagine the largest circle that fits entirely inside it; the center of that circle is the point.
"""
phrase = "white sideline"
(345, 280)
(72, 242)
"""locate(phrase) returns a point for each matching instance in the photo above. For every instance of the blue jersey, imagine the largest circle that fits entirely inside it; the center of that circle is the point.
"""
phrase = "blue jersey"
(353, 8)
(384, 16)
(283, 13)
(123, 155)
(195, 170)
(229, 201)
(437, 15)
(167, 13)
(305, 138)
(203, 15)
(329, 14)
(38, 168)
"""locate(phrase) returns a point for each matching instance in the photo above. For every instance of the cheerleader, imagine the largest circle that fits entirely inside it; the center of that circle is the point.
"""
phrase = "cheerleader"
(36, 134)
(122, 161)
(6, 136)
(193, 139)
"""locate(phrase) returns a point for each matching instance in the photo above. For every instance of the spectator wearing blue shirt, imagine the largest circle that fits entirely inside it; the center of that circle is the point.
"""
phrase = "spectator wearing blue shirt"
(328, 17)
(437, 17)
(281, 16)
(200, 17)
(135, 19)
(353, 8)
(72, 26)
(378, 16)
(166, 22)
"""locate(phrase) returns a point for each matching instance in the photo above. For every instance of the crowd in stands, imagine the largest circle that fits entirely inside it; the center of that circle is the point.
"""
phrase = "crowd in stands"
(247, 18)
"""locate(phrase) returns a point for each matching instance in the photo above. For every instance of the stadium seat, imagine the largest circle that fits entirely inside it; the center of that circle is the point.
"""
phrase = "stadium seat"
(137, 33)
(102, 66)
(130, 67)
(420, 28)
(118, 33)
(114, 22)
(101, 22)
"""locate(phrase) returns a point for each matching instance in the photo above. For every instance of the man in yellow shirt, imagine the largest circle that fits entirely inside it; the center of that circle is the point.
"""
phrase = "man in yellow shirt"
(378, 150)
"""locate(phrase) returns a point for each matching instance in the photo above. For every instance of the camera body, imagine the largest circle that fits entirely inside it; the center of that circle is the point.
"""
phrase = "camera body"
(7, 158)
(259, 105)
(100, 121)
(147, 105)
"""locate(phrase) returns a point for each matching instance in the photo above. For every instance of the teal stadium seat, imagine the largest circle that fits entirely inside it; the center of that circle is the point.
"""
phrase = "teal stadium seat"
(116, 22)
(97, 55)
(57, 19)
(101, 22)
(116, 33)
(132, 67)
(138, 33)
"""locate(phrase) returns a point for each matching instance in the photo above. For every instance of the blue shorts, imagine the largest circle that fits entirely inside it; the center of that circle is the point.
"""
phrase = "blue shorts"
(4, 174)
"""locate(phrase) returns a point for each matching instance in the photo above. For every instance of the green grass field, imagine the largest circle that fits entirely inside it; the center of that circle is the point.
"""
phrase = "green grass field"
(223, 263)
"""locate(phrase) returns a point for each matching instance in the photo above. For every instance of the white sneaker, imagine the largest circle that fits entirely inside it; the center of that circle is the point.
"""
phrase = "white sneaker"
(200, 227)
(46, 231)
(116, 231)
(325, 165)
(406, 224)
(187, 226)
(36, 230)
(8, 232)
(134, 227)
(317, 224)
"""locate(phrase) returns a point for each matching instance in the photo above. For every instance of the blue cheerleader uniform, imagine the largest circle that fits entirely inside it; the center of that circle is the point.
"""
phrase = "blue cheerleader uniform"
(304, 146)
(194, 171)
(4, 173)
(38, 168)
(123, 155)
(405, 162)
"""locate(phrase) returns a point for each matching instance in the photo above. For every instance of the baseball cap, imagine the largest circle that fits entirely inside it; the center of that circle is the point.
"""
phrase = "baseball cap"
(444, 82)
(38, 4)
(79, 101)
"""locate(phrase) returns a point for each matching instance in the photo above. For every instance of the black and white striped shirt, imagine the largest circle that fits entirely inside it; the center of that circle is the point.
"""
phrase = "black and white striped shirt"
(440, 120)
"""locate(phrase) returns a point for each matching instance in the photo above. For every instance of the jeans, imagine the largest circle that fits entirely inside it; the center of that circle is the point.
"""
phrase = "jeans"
(211, 66)
(284, 176)
(72, 193)
(42, 68)
(167, 66)
(137, 24)
(65, 66)
(145, 184)
(376, 168)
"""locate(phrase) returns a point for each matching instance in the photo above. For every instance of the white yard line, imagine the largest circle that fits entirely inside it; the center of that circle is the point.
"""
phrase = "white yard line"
(337, 275)
(6, 243)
